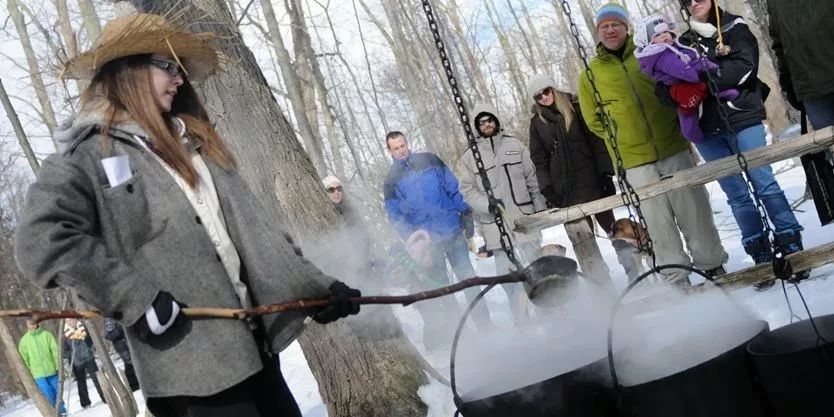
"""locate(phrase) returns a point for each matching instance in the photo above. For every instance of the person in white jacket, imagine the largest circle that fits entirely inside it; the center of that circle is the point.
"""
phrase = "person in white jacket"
(512, 177)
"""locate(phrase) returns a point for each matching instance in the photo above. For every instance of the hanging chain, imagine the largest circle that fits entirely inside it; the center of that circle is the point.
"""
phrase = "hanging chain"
(629, 196)
(780, 264)
(506, 242)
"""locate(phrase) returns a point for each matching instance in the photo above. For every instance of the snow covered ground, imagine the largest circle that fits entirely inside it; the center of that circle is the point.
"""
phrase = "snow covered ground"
(769, 305)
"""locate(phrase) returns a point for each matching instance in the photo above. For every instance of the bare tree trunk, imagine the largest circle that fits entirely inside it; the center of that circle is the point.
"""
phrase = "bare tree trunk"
(410, 69)
(512, 63)
(570, 45)
(304, 71)
(90, 19)
(68, 35)
(527, 50)
(293, 85)
(306, 46)
(47, 112)
(60, 397)
(544, 55)
(19, 368)
(375, 377)
(340, 114)
(381, 113)
(483, 92)
(18, 130)
(588, 15)
(119, 406)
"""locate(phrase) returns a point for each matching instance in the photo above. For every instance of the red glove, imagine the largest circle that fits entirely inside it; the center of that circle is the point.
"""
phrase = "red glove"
(688, 95)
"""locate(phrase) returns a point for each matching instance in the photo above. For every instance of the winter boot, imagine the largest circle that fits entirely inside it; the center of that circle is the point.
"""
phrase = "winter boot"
(760, 250)
(791, 241)
(716, 272)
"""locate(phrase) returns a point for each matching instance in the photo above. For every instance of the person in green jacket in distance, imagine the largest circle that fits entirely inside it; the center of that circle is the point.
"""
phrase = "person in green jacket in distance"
(39, 351)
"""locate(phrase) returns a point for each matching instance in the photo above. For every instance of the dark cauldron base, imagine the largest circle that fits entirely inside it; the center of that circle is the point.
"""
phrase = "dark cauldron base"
(578, 393)
(796, 373)
(720, 387)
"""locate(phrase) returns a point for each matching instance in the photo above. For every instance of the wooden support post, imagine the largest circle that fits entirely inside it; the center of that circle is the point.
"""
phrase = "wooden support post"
(587, 253)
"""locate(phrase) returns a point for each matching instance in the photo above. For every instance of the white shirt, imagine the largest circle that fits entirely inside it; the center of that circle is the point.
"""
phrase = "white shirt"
(205, 202)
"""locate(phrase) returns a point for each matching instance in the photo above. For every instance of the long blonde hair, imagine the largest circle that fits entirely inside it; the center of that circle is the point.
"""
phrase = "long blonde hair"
(125, 84)
(561, 101)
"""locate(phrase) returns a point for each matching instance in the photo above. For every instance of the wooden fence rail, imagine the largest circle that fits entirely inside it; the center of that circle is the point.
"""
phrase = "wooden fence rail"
(699, 175)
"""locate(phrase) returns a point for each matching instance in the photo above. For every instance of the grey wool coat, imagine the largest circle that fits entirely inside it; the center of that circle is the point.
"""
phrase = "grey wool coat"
(118, 247)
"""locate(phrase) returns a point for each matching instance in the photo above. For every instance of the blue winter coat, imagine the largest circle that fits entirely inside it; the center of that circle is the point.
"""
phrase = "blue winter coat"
(422, 193)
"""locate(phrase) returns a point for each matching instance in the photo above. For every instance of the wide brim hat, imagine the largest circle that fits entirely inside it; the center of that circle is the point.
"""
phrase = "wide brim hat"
(142, 33)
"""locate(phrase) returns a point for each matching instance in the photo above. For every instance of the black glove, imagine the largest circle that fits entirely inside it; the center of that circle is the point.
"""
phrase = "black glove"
(467, 224)
(607, 185)
(661, 91)
(340, 303)
(494, 204)
(163, 314)
(551, 199)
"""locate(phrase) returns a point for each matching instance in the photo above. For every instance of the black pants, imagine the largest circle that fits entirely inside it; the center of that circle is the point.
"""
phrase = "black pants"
(264, 394)
(80, 372)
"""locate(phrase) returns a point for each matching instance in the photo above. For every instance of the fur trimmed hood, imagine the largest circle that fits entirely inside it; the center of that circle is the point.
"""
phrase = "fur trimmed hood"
(91, 118)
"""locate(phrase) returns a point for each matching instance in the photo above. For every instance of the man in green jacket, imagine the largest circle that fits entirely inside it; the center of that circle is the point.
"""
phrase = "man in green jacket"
(651, 146)
(39, 351)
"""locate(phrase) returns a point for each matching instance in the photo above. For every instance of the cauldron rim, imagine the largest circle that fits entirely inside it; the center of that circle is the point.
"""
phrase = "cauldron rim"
(745, 344)
(779, 332)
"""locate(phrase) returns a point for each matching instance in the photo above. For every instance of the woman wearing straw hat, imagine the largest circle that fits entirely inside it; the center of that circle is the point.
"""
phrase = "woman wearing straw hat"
(143, 212)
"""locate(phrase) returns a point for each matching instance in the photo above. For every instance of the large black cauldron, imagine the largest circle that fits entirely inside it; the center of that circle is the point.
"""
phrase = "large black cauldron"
(796, 368)
(699, 375)
(579, 393)
(718, 387)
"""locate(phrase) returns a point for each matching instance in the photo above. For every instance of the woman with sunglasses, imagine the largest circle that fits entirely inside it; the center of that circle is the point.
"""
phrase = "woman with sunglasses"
(351, 244)
(572, 164)
(725, 39)
(143, 212)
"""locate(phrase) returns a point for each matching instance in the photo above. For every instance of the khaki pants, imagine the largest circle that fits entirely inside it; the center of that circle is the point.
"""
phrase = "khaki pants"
(684, 211)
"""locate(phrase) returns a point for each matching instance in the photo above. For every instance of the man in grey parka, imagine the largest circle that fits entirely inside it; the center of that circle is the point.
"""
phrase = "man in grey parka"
(512, 176)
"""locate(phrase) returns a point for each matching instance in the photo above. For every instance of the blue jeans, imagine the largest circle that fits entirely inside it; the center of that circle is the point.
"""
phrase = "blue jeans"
(820, 111)
(454, 248)
(49, 387)
(717, 146)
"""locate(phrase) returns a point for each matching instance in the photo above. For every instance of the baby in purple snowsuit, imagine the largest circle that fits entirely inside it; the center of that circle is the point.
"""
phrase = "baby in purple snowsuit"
(663, 58)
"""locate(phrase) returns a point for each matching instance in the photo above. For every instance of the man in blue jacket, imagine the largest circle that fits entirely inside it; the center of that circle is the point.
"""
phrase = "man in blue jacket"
(421, 195)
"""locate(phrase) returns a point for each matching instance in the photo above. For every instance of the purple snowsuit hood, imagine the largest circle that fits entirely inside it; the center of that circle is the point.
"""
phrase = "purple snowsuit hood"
(672, 63)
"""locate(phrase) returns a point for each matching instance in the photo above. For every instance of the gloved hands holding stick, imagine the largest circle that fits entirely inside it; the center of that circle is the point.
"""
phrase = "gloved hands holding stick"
(342, 297)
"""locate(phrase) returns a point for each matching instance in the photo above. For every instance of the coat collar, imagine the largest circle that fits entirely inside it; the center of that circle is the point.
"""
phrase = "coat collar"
(629, 50)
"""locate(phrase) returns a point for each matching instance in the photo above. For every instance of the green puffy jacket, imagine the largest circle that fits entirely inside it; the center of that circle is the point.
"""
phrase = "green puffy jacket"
(802, 40)
(646, 130)
(39, 351)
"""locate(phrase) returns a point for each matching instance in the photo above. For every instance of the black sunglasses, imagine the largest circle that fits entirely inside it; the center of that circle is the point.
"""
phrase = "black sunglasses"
(547, 91)
(332, 190)
(485, 120)
(172, 68)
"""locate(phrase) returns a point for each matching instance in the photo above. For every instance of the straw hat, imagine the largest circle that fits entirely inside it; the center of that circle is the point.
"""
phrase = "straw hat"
(141, 33)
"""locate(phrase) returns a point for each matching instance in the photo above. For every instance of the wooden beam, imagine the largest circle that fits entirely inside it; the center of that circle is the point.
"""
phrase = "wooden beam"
(699, 175)
(808, 259)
